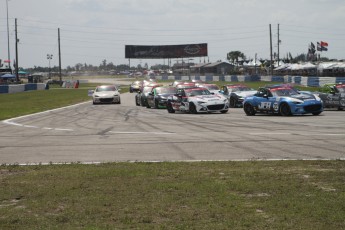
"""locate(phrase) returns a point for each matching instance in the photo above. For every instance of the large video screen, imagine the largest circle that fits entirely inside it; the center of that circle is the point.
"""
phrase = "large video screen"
(166, 51)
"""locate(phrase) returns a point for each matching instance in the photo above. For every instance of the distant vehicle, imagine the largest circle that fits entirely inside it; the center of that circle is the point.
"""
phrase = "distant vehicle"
(135, 86)
(213, 88)
(177, 82)
(283, 101)
(141, 96)
(158, 97)
(197, 100)
(333, 96)
(185, 85)
(236, 94)
(106, 94)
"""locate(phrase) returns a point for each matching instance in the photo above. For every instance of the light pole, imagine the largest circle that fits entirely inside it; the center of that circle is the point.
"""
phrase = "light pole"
(49, 57)
(8, 37)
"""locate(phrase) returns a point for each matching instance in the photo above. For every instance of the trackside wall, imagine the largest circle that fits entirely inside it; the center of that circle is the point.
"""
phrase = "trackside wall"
(306, 81)
(21, 87)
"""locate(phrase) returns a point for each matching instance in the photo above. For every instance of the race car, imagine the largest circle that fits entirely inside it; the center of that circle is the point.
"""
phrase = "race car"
(213, 88)
(236, 94)
(283, 101)
(135, 86)
(333, 96)
(141, 96)
(197, 100)
(157, 98)
(106, 94)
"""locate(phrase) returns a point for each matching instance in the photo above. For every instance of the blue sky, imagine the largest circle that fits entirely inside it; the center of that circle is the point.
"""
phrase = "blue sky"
(92, 31)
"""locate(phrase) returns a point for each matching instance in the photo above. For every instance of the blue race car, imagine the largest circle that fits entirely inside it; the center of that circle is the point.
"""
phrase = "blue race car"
(282, 100)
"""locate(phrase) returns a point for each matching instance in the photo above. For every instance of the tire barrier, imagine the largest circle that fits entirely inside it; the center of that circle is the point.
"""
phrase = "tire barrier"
(300, 80)
(22, 87)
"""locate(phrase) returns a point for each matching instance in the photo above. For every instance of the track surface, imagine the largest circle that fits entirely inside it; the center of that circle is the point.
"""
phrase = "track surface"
(106, 133)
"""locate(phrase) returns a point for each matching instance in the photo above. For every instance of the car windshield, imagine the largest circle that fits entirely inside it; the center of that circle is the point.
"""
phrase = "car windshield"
(147, 89)
(162, 90)
(241, 88)
(212, 87)
(197, 92)
(105, 88)
(283, 92)
(136, 83)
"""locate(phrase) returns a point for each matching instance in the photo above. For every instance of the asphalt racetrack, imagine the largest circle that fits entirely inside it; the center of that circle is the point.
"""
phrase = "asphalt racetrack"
(87, 133)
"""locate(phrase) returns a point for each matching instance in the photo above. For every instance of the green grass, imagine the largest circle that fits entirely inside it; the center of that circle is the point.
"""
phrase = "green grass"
(204, 195)
(18, 104)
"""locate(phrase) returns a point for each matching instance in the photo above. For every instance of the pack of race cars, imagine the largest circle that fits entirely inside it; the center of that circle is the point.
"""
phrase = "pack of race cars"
(201, 97)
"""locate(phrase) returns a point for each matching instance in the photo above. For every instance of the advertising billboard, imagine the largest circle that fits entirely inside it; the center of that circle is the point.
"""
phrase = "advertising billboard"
(166, 51)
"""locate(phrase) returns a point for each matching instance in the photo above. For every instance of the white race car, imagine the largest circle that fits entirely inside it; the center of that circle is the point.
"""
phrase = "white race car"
(106, 94)
(197, 100)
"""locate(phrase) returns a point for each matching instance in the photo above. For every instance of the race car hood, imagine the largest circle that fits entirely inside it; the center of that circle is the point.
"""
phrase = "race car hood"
(208, 98)
(165, 95)
(303, 96)
(105, 94)
(246, 93)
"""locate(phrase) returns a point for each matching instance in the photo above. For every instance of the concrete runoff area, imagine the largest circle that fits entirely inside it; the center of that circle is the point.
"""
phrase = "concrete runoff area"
(87, 133)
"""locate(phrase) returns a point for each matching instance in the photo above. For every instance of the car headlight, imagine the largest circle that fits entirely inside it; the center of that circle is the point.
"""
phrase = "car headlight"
(317, 97)
(297, 102)
(201, 102)
(96, 96)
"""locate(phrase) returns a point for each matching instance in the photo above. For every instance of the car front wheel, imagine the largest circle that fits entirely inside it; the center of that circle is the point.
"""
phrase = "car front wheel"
(170, 108)
(285, 110)
(232, 102)
(192, 108)
(156, 104)
(249, 109)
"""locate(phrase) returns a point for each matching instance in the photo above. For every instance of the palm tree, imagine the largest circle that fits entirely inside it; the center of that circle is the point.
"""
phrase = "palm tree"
(234, 56)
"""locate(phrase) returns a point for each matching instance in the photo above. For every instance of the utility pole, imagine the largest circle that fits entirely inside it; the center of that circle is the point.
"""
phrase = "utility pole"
(271, 64)
(8, 38)
(16, 65)
(278, 45)
(60, 74)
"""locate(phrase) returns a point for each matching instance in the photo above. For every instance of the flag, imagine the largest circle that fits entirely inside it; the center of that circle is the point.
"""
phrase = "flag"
(312, 48)
(324, 43)
(318, 46)
(322, 46)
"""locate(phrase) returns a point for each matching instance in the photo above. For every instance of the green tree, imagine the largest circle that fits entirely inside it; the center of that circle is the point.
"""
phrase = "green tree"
(233, 56)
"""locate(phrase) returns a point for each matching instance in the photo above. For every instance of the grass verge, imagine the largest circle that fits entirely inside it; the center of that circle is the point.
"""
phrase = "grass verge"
(19, 104)
(204, 195)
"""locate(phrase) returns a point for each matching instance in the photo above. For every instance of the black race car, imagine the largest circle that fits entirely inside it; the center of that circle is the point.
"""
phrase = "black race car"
(158, 97)
(333, 96)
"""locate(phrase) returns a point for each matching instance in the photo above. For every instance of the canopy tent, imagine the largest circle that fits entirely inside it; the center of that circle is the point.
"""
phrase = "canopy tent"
(7, 76)
(308, 66)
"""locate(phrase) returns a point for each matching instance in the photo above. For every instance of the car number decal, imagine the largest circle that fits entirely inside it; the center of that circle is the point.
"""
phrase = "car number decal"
(275, 106)
(265, 105)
